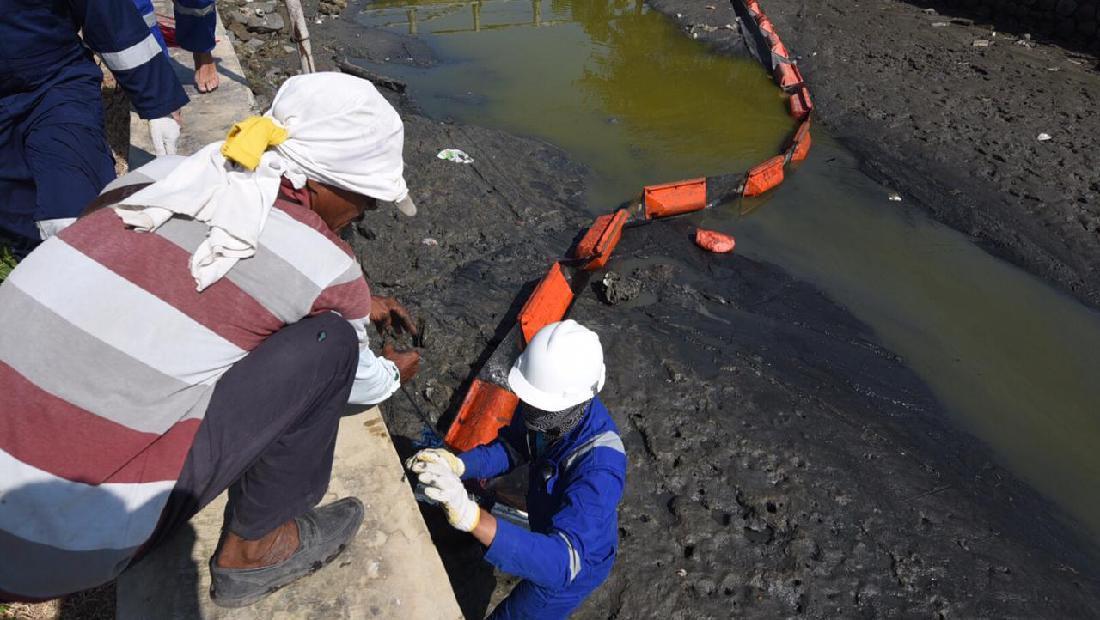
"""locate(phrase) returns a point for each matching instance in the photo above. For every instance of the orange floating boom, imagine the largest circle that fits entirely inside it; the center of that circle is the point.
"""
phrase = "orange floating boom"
(547, 304)
(668, 199)
(486, 409)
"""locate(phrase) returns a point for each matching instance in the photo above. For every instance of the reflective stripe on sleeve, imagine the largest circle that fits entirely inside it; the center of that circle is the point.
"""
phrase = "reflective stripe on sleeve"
(192, 11)
(606, 439)
(150, 19)
(574, 558)
(133, 56)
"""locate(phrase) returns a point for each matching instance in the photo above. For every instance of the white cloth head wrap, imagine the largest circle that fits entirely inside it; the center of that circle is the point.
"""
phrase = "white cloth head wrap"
(341, 132)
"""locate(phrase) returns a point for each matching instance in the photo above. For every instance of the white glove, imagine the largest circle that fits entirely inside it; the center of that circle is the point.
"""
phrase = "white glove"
(443, 486)
(420, 460)
(165, 133)
(49, 228)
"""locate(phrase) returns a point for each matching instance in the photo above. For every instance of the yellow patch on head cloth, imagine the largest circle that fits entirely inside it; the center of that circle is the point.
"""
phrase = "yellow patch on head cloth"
(248, 139)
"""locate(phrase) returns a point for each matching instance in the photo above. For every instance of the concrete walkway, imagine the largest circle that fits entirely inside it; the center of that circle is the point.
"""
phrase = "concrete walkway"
(391, 570)
(209, 115)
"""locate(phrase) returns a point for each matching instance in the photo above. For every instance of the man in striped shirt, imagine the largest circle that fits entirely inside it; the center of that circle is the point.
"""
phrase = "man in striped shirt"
(130, 396)
(54, 157)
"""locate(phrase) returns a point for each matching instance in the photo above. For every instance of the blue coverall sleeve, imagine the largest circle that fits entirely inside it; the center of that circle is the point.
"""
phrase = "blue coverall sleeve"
(508, 452)
(195, 24)
(116, 31)
(554, 560)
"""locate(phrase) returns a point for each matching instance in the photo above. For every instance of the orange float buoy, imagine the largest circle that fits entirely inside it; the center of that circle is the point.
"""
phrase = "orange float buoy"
(714, 241)
(486, 409)
(547, 304)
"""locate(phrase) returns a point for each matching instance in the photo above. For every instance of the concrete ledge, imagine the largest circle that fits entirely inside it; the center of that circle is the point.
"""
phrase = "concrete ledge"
(391, 570)
(208, 116)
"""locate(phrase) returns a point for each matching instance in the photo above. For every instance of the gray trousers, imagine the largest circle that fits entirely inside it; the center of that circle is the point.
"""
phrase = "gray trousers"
(270, 431)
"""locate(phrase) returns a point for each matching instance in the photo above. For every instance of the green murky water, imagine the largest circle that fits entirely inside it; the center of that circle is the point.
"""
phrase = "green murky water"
(627, 94)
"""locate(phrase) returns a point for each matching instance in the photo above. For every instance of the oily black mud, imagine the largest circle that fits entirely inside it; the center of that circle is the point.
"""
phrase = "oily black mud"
(781, 462)
(949, 113)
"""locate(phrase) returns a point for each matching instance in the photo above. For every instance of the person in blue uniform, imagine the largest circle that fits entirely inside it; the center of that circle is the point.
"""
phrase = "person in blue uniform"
(195, 23)
(577, 474)
(54, 157)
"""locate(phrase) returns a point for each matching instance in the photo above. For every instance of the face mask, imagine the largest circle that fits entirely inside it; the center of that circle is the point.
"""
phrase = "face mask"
(555, 423)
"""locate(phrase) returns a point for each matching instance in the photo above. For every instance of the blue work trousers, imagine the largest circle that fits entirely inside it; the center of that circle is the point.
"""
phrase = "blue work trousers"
(54, 157)
(529, 601)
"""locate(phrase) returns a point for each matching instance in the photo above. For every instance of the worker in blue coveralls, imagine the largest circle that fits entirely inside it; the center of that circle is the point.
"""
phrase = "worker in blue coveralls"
(578, 470)
(195, 23)
(54, 158)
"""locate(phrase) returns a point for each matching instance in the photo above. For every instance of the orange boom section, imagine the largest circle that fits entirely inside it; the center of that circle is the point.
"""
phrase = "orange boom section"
(668, 199)
(801, 104)
(547, 304)
(600, 240)
(800, 144)
(765, 176)
(486, 409)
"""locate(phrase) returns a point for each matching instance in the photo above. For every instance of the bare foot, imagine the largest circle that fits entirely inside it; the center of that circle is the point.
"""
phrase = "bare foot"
(206, 72)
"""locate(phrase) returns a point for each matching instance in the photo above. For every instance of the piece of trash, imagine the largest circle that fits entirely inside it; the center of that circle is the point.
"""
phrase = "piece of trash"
(681, 572)
(1043, 137)
(455, 155)
(710, 7)
(894, 197)
(929, 11)
(939, 24)
(714, 241)
(615, 289)
(428, 241)
(981, 43)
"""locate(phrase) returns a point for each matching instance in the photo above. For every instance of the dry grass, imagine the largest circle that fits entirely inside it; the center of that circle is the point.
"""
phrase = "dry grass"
(95, 604)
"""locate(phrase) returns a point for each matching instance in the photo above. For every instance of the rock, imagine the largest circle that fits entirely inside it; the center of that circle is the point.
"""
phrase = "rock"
(253, 44)
(614, 288)
(332, 7)
(261, 24)
(263, 8)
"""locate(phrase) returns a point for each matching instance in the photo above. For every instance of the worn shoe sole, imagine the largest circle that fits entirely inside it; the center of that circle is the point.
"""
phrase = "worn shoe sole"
(249, 600)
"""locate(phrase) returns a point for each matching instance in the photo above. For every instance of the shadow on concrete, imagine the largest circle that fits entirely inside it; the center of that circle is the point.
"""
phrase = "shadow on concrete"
(186, 74)
(471, 577)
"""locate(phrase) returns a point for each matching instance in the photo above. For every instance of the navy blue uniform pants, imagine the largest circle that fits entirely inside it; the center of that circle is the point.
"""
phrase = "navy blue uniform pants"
(54, 157)
(270, 430)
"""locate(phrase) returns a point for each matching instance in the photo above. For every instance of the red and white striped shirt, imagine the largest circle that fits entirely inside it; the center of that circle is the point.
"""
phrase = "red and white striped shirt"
(108, 359)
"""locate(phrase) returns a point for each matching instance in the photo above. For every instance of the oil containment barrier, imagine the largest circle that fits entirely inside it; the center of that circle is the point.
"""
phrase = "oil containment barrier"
(489, 405)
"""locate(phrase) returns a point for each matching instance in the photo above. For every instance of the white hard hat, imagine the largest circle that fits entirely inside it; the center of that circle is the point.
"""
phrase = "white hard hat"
(561, 367)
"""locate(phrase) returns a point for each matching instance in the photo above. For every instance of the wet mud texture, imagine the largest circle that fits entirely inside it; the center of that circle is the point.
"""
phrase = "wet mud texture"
(954, 127)
(781, 462)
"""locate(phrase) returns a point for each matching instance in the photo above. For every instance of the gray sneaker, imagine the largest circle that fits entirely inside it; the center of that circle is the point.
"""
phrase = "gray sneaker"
(322, 533)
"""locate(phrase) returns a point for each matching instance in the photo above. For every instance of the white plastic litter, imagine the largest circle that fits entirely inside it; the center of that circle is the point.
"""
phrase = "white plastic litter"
(1043, 137)
(428, 241)
(894, 197)
(456, 155)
